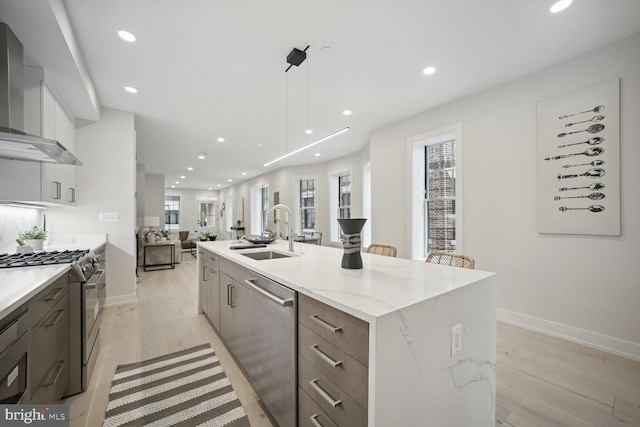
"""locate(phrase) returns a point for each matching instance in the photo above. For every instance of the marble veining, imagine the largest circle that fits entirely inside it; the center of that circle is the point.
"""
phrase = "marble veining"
(405, 331)
(470, 370)
(381, 287)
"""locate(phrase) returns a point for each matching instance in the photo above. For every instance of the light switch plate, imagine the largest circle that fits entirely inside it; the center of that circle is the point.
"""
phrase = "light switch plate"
(109, 216)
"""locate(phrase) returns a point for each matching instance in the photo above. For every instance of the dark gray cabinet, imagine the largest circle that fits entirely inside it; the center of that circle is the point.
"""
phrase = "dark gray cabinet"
(49, 356)
(203, 292)
(213, 289)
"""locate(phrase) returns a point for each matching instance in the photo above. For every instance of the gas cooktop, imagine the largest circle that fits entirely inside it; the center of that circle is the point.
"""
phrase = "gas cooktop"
(41, 258)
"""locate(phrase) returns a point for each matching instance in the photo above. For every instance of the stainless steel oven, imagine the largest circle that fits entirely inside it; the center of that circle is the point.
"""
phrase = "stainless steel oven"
(86, 300)
(14, 349)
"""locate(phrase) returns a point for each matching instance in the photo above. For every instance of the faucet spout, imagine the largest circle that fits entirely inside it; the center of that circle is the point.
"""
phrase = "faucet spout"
(289, 231)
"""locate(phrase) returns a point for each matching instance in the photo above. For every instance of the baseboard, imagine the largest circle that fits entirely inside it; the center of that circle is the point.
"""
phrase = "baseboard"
(120, 300)
(617, 346)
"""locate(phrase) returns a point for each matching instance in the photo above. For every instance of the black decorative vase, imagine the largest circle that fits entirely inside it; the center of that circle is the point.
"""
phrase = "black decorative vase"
(351, 229)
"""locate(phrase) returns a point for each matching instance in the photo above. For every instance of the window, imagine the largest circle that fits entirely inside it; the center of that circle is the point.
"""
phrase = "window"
(344, 196)
(172, 212)
(206, 213)
(340, 202)
(307, 204)
(436, 192)
(440, 196)
(259, 209)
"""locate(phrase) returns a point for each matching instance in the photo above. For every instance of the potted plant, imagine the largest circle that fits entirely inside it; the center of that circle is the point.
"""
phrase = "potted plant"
(34, 237)
(204, 235)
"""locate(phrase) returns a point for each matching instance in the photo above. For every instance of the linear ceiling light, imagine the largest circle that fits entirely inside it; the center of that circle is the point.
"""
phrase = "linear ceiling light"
(307, 146)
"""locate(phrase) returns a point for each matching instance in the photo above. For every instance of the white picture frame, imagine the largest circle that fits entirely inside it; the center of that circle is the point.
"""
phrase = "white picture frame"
(579, 161)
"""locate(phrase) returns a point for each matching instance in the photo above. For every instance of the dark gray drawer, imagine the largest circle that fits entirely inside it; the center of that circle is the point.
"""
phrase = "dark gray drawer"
(213, 260)
(339, 367)
(310, 414)
(337, 404)
(233, 270)
(55, 380)
(47, 298)
(49, 335)
(339, 328)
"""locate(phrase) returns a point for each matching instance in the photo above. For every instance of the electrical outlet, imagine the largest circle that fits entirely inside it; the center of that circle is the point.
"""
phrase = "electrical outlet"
(456, 339)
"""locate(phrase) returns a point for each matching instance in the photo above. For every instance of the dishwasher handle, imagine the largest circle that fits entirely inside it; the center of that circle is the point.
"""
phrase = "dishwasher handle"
(283, 302)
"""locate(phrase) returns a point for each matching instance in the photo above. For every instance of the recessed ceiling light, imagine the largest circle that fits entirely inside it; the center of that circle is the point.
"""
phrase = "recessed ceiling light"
(177, 182)
(317, 154)
(189, 168)
(559, 6)
(308, 131)
(229, 180)
(131, 89)
(173, 186)
(347, 112)
(220, 139)
(244, 174)
(210, 188)
(202, 156)
(258, 145)
(182, 177)
(218, 185)
(127, 36)
(428, 71)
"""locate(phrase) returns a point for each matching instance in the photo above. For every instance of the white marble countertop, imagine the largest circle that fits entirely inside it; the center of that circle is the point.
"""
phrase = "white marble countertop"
(18, 285)
(383, 286)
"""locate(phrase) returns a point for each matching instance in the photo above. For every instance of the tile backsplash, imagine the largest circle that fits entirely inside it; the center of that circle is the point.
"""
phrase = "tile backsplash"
(14, 220)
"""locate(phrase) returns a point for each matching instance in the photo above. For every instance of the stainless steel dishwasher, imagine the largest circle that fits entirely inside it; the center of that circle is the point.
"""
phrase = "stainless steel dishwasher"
(272, 366)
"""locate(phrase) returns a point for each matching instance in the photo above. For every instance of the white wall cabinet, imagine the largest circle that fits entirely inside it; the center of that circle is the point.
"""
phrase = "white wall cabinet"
(43, 182)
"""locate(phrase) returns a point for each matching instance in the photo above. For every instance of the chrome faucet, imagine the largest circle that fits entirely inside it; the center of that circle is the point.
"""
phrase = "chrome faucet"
(289, 231)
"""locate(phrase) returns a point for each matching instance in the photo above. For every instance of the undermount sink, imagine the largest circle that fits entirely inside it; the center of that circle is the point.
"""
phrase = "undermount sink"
(266, 255)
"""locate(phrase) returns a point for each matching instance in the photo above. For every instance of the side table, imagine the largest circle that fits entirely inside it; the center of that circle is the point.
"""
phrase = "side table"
(166, 244)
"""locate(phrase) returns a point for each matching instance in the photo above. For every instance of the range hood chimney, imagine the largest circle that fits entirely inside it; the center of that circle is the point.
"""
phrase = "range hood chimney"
(14, 142)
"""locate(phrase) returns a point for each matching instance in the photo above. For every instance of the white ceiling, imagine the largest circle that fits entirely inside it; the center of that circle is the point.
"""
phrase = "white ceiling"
(211, 68)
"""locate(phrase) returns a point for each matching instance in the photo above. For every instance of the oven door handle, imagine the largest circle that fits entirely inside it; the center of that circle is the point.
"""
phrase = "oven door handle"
(91, 284)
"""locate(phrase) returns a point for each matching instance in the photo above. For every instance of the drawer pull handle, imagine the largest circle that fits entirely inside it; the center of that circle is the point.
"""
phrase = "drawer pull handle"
(57, 317)
(324, 394)
(54, 295)
(324, 324)
(56, 375)
(314, 420)
(324, 357)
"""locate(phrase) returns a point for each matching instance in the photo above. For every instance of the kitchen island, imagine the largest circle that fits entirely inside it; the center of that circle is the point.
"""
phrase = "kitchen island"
(411, 312)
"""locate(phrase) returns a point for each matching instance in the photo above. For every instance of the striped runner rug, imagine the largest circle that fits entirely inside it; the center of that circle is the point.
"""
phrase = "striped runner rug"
(186, 388)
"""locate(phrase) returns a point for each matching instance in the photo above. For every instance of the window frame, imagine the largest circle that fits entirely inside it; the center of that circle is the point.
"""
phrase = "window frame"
(259, 215)
(170, 225)
(297, 210)
(416, 187)
(335, 202)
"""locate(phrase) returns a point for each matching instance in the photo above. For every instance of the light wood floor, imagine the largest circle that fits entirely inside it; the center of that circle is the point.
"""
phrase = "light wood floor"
(541, 381)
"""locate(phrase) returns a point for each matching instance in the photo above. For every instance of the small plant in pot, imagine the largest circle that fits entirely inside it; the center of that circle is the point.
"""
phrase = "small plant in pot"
(204, 235)
(34, 237)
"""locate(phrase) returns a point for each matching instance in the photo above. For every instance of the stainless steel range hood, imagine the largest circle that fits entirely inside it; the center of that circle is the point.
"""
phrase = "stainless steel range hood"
(14, 142)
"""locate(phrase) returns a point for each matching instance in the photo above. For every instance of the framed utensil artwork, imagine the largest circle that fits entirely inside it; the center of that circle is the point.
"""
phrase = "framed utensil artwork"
(579, 161)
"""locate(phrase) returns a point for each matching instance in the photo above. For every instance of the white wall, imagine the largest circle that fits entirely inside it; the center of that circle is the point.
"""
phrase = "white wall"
(106, 183)
(140, 192)
(585, 288)
(283, 181)
(154, 197)
(188, 218)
